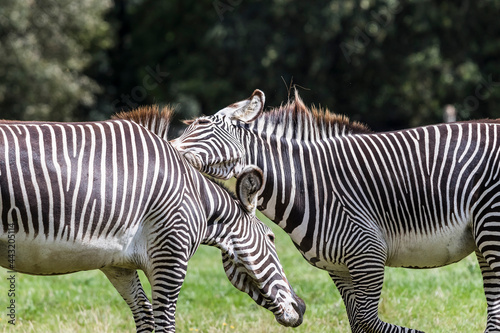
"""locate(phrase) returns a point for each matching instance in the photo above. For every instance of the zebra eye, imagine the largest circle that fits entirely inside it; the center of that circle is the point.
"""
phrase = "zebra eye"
(204, 122)
(271, 238)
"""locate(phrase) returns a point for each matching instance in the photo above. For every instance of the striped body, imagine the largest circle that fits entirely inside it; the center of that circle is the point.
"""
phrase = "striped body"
(117, 197)
(81, 187)
(354, 202)
(421, 191)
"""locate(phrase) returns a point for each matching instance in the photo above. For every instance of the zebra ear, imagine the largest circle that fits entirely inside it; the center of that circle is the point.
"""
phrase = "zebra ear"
(248, 185)
(246, 110)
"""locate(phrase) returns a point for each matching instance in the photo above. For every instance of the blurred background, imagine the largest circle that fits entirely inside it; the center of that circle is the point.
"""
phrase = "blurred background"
(390, 64)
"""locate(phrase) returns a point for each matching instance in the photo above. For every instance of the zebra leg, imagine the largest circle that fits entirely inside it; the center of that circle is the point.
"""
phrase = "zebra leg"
(343, 282)
(166, 275)
(166, 286)
(367, 273)
(486, 232)
(127, 282)
(491, 283)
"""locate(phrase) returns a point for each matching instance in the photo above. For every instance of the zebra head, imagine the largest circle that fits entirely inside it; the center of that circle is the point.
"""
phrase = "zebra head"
(250, 259)
(212, 144)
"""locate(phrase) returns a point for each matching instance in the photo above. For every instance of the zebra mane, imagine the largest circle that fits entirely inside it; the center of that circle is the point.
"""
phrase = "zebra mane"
(296, 121)
(150, 117)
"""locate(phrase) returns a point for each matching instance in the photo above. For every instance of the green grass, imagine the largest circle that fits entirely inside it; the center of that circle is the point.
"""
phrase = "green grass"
(448, 299)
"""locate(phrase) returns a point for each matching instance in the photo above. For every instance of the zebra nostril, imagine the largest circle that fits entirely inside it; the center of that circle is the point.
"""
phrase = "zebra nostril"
(300, 306)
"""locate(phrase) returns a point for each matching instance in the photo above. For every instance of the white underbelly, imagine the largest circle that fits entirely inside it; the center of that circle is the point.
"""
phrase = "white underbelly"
(41, 256)
(441, 248)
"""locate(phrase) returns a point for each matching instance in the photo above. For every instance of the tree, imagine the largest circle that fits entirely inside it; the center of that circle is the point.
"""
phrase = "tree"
(389, 63)
(44, 50)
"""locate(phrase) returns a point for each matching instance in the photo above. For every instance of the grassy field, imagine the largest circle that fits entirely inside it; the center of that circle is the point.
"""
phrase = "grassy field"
(448, 299)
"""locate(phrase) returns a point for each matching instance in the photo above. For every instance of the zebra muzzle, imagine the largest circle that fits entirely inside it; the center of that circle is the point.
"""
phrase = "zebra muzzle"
(293, 317)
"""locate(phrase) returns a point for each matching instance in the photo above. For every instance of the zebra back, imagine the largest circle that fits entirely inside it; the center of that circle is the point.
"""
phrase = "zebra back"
(57, 176)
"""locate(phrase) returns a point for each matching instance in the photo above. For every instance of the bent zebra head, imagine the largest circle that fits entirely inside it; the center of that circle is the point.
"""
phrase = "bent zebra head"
(250, 259)
(213, 144)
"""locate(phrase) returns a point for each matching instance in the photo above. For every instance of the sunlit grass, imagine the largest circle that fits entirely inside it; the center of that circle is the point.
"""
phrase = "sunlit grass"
(448, 299)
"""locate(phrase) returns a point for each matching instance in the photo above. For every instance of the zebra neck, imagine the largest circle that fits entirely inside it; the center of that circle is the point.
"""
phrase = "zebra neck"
(221, 211)
(293, 194)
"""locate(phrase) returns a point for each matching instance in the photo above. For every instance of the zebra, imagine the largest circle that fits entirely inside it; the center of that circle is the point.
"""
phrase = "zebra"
(354, 201)
(116, 196)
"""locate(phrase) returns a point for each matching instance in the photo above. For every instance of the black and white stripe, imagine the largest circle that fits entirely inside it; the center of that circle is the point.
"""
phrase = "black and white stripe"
(354, 201)
(116, 196)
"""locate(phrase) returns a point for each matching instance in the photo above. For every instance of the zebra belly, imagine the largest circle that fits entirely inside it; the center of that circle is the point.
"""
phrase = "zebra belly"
(45, 257)
(440, 248)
